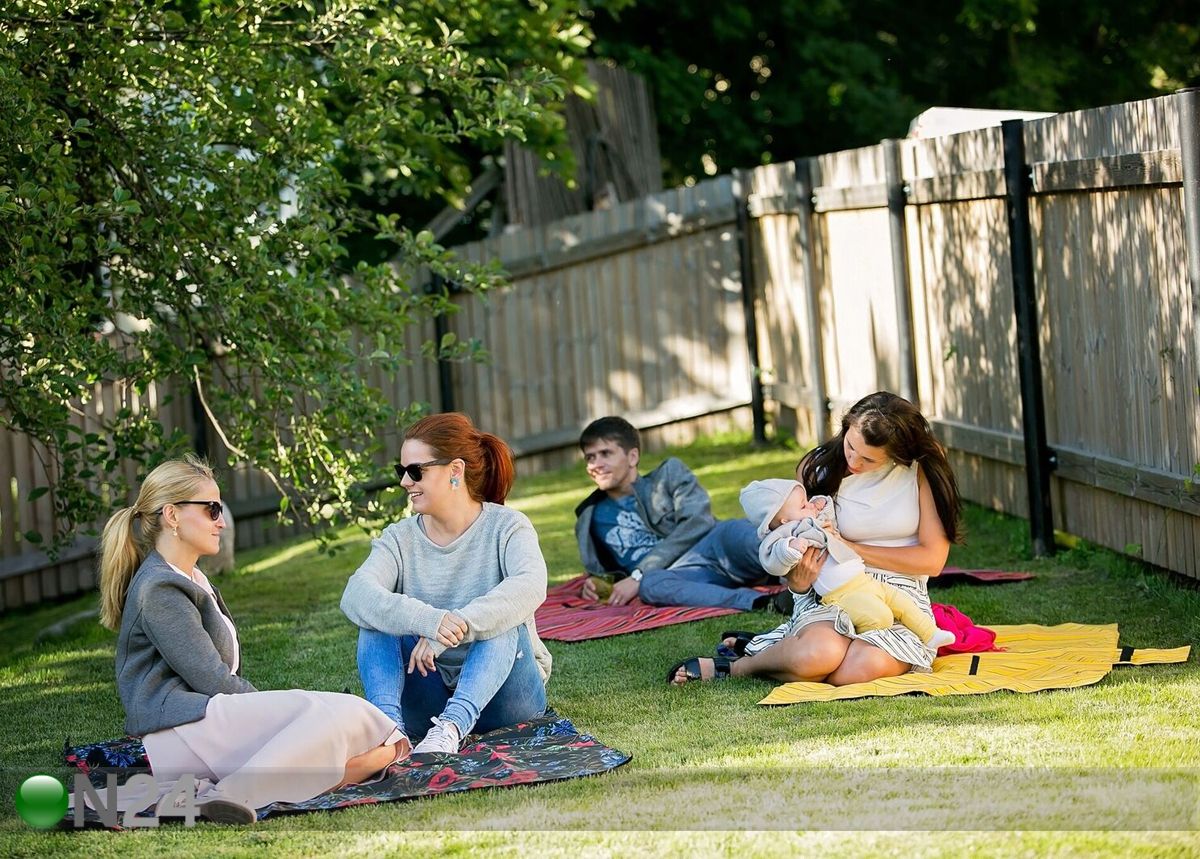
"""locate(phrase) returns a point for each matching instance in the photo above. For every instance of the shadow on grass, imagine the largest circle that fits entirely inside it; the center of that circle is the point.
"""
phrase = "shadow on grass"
(702, 749)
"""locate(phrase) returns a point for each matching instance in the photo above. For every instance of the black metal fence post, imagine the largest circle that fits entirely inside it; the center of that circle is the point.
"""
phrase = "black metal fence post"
(1039, 458)
(741, 195)
(445, 371)
(199, 423)
(897, 199)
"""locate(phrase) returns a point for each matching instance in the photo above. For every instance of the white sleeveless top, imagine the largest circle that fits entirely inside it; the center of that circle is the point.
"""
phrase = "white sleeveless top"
(881, 507)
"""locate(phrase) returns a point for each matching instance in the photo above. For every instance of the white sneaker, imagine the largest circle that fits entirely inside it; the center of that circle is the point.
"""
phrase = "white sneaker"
(443, 738)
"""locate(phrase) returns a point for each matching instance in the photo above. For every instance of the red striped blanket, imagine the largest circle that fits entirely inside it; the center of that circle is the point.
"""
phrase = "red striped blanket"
(566, 616)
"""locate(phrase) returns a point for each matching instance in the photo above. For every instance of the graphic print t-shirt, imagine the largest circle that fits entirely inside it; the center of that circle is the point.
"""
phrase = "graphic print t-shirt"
(618, 525)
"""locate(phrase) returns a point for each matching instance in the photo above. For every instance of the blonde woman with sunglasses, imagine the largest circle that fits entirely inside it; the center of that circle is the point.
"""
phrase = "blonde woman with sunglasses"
(445, 600)
(178, 661)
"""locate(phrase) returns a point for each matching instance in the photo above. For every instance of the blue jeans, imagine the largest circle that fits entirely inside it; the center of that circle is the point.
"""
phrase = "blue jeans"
(499, 684)
(720, 570)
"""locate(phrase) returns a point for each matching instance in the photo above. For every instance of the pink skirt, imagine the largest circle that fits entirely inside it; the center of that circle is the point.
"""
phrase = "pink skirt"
(264, 747)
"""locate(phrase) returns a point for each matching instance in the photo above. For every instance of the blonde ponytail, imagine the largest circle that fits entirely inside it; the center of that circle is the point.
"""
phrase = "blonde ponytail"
(120, 556)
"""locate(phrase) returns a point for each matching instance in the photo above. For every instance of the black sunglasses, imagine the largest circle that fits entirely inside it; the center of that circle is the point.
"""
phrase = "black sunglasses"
(214, 507)
(414, 471)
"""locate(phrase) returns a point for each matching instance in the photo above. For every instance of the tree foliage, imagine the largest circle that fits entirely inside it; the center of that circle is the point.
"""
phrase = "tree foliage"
(178, 184)
(738, 84)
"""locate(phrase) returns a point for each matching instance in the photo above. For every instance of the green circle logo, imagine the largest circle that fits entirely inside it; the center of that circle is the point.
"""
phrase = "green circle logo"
(41, 801)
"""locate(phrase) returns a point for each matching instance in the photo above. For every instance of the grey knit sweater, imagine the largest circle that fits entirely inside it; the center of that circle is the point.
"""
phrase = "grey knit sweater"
(174, 651)
(493, 577)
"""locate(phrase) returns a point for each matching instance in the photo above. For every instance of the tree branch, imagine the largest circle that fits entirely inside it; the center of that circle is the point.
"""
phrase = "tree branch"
(220, 430)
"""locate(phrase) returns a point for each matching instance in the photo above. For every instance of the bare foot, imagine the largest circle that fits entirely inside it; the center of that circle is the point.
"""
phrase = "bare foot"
(361, 767)
(403, 749)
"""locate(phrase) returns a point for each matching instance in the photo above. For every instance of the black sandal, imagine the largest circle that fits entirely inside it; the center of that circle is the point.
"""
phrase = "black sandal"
(691, 668)
(738, 649)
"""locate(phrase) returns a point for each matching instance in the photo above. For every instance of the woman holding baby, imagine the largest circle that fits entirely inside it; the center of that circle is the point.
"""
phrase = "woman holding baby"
(896, 506)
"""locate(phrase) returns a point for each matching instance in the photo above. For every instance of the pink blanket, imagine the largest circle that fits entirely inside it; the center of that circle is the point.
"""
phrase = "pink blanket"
(968, 638)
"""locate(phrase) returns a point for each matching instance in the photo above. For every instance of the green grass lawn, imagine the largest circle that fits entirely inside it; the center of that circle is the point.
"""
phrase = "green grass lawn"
(1014, 771)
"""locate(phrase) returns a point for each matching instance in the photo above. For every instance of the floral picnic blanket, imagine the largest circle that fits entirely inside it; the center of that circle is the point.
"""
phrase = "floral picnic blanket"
(548, 748)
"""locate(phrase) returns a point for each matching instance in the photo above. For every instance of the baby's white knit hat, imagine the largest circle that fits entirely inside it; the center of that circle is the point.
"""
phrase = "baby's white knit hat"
(762, 499)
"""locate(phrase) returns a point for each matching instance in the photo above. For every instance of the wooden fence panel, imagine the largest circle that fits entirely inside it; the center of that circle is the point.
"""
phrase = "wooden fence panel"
(1121, 377)
(854, 276)
(859, 326)
(970, 346)
(1116, 314)
(638, 310)
(779, 245)
(1151, 125)
(963, 312)
(625, 311)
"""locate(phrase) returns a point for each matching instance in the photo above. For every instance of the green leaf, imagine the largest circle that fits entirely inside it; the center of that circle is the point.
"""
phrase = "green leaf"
(36, 493)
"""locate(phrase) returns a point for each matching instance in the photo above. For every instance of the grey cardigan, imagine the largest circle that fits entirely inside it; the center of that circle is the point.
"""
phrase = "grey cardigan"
(173, 651)
(670, 500)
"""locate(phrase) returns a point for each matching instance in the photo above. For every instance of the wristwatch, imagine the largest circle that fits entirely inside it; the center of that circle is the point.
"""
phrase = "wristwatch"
(636, 575)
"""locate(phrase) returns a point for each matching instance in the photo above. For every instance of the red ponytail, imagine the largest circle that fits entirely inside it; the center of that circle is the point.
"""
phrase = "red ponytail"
(500, 472)
(490, 470)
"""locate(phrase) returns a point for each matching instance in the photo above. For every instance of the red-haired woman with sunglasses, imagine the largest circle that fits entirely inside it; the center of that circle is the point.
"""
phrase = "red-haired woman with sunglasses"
(178, 663)
(445, 600)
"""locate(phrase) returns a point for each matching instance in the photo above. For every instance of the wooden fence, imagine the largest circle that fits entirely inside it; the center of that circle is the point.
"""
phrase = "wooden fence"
(615, 142)
(635, 310)
(883, 267)
(1117, 312)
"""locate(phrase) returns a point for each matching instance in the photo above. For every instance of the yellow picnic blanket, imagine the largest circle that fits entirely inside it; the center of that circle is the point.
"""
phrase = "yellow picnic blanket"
(1035, 658)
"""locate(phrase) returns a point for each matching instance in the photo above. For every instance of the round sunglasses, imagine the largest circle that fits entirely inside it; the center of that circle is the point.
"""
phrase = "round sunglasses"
(415, 470)
(214, 507)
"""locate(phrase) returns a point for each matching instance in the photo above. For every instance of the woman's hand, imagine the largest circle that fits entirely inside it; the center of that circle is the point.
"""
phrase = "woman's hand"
(421, 658)
(451, 630)
(802, 576)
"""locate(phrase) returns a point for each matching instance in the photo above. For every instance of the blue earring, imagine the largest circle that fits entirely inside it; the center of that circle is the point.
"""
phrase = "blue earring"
(454, 483)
